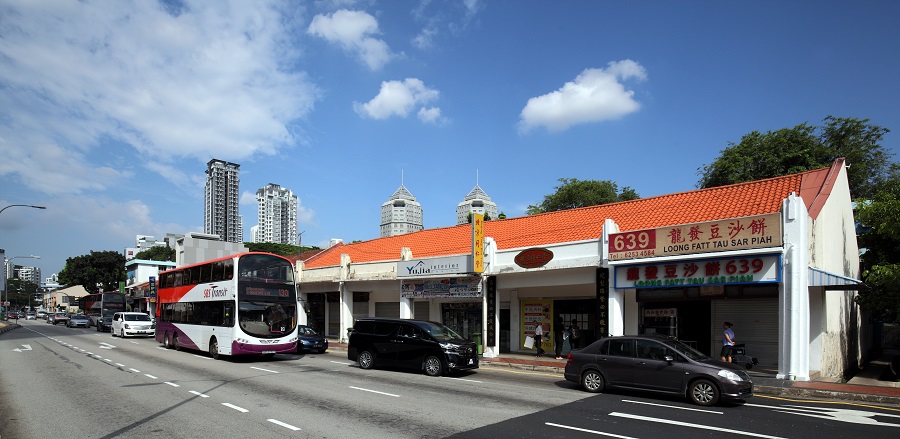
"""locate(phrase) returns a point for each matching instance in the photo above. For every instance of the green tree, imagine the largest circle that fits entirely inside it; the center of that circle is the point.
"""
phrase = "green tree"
(278, 249)
(879, 220)
(487, 217)
(96, 272)
(20, 290)
(802, 148)
(573, 193)
(157, 253)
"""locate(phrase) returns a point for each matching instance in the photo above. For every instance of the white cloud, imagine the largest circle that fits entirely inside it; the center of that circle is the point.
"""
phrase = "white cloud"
(203, 81)
(248, 199)
(430, 115)
(399, 98)
(595, 95)
(352, 30)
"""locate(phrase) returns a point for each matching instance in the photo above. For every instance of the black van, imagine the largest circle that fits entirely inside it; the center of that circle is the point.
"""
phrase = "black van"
(413, 344)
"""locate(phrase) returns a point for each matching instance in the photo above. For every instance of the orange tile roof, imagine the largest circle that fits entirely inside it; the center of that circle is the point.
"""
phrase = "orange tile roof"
(586, 223)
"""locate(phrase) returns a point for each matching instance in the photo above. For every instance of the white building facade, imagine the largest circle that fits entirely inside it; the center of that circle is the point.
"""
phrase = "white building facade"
(476, 202)
(277, 215)
(401, 214)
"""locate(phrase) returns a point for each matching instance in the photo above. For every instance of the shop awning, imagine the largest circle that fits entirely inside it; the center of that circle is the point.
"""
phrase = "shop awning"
(831, 281)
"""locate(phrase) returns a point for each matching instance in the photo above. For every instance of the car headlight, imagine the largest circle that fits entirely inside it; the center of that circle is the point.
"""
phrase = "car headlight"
(450, 347)
(305, 341)
(727, 374)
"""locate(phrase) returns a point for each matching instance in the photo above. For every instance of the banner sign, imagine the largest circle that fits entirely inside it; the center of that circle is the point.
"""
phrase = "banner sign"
(728, 234)
(435, 266)
(453, 287)
(703, 272)
(152, 284)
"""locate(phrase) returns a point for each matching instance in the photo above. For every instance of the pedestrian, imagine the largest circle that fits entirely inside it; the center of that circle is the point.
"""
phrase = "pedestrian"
(574, 334)
(727, 341)
(538, 334)
(558, 330)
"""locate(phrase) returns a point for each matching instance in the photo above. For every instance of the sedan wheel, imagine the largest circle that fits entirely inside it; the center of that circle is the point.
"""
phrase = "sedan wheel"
(365, 360)
(433, 366)
(704, 392)
(592, 381)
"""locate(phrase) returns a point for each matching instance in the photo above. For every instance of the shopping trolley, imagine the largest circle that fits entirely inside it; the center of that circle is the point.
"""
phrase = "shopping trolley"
(739, 356)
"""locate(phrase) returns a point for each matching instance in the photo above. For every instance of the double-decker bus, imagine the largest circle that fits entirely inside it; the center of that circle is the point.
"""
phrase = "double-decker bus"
(100, 305)
(241, 304)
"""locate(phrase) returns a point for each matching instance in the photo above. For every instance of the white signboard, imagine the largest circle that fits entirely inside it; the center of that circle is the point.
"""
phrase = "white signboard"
(452, 287)
(435, 266)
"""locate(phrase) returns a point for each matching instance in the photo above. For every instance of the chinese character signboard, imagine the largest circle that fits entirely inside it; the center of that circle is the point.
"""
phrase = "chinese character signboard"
(753, 269)
(152, 286)
(727, 234)
(491, 310)
(602, 311)
(453, 287)
(534, 311)
(478, 243)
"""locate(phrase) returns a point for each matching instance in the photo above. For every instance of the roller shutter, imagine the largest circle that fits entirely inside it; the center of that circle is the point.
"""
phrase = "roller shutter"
(387, 309)
(755, 324)
(422, 310)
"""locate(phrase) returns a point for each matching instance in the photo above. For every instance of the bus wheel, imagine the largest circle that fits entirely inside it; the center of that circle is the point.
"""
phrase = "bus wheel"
(214, 348)
(175, 342)
(167, 343)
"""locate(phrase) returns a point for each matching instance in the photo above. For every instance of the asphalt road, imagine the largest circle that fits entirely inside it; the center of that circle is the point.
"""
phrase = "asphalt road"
(69, 382)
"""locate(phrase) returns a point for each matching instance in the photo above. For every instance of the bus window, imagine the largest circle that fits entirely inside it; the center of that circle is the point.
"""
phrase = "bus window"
(205, 273)
(229, 269)
(178, 278)
(218, 270)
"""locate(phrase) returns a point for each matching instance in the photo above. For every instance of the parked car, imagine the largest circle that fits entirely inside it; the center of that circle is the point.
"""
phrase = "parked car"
(657, 364)
(59, 317)
(30, 316)
(427, 346)
(78, 321)
(132, 324)
(104, 323)
(310, 340)
(42, 315)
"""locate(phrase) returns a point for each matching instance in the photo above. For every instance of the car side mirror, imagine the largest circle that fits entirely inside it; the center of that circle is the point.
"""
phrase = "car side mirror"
(670, 359)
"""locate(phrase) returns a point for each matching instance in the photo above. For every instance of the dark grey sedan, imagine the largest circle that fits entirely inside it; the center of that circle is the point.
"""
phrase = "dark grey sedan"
(657, 364)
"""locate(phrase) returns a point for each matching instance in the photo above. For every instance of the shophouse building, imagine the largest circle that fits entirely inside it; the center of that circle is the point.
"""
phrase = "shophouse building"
(777, 257)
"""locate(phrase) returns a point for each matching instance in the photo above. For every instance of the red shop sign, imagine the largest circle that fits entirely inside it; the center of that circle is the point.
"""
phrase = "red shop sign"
(533, 257)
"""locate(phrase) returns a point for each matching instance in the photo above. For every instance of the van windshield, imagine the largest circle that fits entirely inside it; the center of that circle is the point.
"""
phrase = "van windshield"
(439, 331)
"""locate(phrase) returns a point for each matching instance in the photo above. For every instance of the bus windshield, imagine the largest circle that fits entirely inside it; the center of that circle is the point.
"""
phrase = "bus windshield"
(267, 319)
(265, 268)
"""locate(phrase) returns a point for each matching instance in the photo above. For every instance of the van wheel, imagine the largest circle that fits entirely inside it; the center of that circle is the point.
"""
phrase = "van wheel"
(592, 381)
(214, 348)
(433, 366)
(365, 360)
(175, 342)
(112, 332)
(704, 392)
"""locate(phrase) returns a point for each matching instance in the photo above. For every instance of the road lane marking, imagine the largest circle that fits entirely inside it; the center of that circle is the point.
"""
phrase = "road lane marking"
(198, 394)
(673, 407)
(686, 424)
(584, 430)
(205, 358)
(240, 409)
(120, 365)
(150, 376)
(375, 391)
(275, 421)
(134, 370)
(172, 384)
(264, 370)
(340, 362)
(462, 379)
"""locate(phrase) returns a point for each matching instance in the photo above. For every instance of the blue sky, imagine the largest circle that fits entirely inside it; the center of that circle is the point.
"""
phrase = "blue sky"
(110, 110)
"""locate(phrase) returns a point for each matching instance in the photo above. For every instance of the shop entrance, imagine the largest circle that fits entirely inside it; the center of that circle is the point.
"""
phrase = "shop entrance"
(315, 311)
(687, 321)
(465, 319)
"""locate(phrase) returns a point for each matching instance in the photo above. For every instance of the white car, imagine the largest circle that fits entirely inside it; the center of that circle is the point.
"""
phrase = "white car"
(131, 324)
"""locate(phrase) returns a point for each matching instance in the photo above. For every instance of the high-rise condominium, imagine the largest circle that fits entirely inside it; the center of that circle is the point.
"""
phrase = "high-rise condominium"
(221, 199)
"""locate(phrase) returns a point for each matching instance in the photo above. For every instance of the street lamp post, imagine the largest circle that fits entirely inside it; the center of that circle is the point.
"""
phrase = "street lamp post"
(6, 267)
(23, 205)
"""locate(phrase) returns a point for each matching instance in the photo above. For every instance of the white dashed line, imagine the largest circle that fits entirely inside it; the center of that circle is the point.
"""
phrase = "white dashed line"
(135, 370)
(375, 391)
(264, 370)
(339, 362)
(120, 365)
(106, 360)
(584, 430)
(199, 394)
(242, 410)
(150, 376)
(275, 421)
(462, 379)
(172, 384)
(205, 358)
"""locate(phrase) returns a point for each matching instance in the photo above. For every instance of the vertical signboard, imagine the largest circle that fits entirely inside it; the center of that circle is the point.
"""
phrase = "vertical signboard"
(478, 242)
(491, 310)
(602, 328)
